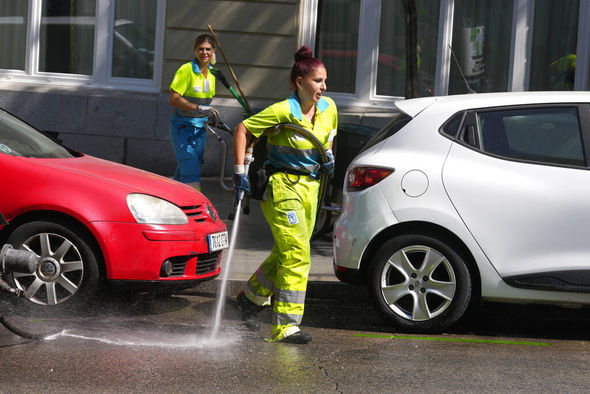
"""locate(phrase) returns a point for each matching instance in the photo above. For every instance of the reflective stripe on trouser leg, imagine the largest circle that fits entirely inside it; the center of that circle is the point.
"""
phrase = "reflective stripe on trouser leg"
(290, 211)
(260, 287)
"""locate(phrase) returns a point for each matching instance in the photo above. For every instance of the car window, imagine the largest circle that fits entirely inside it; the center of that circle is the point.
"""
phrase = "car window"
(451, 126)
(19, 139)
(399, 120)
(547, 135)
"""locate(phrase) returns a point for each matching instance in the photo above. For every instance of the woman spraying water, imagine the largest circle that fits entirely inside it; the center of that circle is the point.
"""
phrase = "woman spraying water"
(293, 187)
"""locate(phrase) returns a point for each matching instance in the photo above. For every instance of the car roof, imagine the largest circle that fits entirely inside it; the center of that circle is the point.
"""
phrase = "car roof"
(458, 102)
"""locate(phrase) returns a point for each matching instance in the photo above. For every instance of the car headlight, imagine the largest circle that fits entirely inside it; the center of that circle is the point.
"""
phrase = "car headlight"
(153, 210)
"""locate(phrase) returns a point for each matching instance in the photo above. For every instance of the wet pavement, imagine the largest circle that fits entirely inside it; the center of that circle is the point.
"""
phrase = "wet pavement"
(164, 343)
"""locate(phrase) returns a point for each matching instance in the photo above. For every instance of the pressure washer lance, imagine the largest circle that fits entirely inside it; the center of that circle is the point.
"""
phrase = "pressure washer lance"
(20, 261)
(235, 216)
(240, 195)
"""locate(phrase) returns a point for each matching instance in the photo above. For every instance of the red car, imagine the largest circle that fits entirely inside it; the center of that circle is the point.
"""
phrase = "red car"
(93, 220)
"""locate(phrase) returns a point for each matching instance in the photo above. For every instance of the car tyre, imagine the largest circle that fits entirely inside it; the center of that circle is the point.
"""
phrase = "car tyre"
(71, 273)
(420, 283)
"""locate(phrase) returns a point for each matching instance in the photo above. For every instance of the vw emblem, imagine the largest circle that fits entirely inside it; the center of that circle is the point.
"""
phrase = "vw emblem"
(211, 213)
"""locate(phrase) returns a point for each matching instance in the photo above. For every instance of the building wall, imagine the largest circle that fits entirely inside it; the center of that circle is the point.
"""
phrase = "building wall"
(259, 39)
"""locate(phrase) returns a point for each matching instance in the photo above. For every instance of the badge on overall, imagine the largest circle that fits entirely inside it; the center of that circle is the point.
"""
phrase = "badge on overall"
(292, 217)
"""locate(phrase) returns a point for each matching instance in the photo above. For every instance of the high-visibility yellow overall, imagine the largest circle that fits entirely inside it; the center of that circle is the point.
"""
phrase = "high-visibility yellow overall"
(290, 209)
(187, 132)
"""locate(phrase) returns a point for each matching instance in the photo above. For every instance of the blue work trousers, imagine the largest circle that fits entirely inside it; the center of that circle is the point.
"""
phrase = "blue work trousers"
(188, 137)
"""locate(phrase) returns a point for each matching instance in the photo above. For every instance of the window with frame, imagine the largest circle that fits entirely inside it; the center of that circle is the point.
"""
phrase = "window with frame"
(500, 45)
(544, 135)
(337, 42)
(481, 46)
(554, 45)
(90, 42)
(391, 61)
(13, 32)
(362, 44)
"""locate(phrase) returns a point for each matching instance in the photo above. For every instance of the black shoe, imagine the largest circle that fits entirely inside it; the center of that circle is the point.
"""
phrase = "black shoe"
(298, 338)
(249, 311)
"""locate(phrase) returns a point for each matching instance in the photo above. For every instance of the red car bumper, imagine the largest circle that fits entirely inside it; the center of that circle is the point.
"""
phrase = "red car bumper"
(136, 252)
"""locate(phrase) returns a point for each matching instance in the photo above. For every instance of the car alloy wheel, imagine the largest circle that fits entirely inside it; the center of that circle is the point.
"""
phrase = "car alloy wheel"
(67, 265)
(419, 283)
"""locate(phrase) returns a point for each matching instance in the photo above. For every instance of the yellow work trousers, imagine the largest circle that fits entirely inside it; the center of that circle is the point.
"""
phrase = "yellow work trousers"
(290, 211)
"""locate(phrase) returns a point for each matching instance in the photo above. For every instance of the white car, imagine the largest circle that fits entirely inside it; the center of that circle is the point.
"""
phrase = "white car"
(470, 197)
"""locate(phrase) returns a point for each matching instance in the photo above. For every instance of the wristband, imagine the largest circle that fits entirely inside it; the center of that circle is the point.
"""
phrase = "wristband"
(239, 169)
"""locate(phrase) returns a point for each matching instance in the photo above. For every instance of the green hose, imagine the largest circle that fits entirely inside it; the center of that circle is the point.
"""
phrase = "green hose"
(242, 103)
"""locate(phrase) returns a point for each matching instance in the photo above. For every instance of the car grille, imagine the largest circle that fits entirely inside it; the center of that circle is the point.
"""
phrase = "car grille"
(195, 212)
(178, 264)
(206, 262)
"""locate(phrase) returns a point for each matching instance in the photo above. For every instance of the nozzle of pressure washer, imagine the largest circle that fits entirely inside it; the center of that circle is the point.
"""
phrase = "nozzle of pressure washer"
(243, 200)
(238, 197)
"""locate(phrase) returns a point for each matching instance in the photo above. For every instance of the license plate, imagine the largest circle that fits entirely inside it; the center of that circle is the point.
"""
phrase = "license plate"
(218, 241)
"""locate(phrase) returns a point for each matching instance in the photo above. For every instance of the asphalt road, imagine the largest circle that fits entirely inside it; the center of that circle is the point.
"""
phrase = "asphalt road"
(148, 343)
(164, 344)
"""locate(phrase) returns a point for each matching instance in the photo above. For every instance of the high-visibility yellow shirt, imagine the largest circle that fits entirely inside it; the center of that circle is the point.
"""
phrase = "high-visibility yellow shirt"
(193, 86)
(293, 151)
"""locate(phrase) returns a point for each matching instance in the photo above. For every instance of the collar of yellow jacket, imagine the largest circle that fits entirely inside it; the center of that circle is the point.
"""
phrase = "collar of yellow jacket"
(295, 106)
(195, 65)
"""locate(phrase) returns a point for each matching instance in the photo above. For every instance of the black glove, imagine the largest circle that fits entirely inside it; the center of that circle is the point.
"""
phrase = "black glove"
(328, 166)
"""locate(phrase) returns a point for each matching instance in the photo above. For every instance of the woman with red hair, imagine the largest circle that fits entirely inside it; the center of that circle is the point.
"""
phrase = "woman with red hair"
(291, 200)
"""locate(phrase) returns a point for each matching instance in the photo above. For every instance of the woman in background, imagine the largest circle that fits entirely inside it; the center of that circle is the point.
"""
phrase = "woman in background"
(191, 93)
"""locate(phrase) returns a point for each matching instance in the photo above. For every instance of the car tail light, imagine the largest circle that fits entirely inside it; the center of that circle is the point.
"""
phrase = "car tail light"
(360, 178)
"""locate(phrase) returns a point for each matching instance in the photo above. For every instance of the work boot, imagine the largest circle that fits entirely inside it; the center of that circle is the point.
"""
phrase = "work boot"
(249, 311)
(298, 338)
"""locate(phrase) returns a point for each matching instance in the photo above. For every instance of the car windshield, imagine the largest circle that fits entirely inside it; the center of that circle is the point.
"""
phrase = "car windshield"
(19, 139)
(399, 120)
